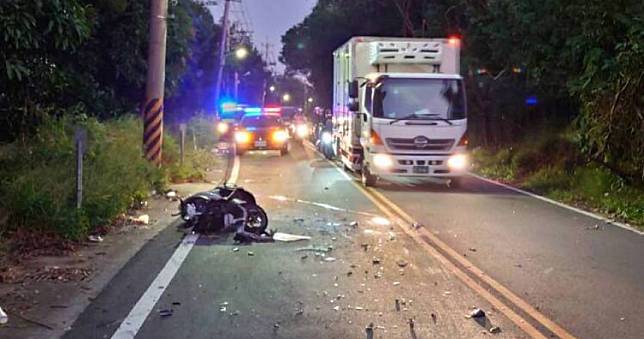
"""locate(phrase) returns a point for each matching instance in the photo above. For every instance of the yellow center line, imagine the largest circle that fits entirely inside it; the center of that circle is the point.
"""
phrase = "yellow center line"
(404, 221)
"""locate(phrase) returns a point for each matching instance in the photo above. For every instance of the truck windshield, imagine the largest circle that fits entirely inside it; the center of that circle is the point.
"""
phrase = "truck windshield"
(426, 99)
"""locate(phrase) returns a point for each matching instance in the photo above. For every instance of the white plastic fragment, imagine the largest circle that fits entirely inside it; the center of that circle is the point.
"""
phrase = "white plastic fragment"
(3, 317)
(279, 236)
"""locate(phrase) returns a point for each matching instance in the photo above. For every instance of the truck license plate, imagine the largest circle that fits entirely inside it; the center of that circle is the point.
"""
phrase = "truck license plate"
(421, 169)
(260, 143)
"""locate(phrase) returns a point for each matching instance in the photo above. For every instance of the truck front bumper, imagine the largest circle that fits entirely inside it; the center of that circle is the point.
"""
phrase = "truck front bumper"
(447, 165)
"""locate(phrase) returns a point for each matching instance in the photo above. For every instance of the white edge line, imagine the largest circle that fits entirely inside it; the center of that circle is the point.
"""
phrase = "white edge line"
(560, 204)
(144, 306)
(135, 319)
(542, 198)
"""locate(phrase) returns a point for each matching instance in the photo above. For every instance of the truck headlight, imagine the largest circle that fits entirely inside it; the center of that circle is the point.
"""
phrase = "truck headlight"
(280, 136)
(327, 138)
(242, 137)
(382, 161)
(302, 130)
(457, 162)
(222, 127)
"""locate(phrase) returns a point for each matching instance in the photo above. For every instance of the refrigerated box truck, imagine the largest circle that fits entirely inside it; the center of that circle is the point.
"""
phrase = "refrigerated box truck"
(399, 109)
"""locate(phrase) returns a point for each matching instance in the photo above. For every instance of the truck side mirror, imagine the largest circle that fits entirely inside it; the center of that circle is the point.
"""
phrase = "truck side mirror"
(353, 89)
(353, 106)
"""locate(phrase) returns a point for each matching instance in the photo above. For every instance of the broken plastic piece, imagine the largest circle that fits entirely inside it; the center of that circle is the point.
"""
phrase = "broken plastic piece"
(495, 329)
(95, 238)
(279, 236)
(3, 317)
(165, 312)
(329, 259)
(477, 313)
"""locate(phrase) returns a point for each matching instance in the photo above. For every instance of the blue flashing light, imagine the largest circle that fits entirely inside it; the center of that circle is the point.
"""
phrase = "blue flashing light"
(228, 106)
(252, 110)
(531, 100)
(251, 128)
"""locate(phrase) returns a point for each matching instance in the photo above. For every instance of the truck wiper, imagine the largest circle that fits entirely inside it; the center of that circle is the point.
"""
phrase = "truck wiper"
(406, 117)
(437, 117)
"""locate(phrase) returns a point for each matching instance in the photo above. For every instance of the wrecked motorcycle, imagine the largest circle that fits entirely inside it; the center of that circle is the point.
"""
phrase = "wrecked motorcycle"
(226, 209)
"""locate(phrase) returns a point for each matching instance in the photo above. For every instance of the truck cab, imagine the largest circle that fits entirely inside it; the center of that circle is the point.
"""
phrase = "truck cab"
(406, 112)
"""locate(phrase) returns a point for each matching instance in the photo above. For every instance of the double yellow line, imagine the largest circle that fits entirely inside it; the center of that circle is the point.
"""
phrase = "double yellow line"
(464, 269)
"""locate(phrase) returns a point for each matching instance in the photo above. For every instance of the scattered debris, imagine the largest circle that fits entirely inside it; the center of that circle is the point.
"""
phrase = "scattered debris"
(276, 325)
(472, 249)
(376, 261)
(94, 238)
(353, 224)
(416, 225)
(171, 194)
(279, 236)
(58, 306)
(433, 317)
(477, 313)
(329, 259)
(397, 305)
(222, 308)
(593, 228)
(325, 249)
(396, 283)
(358, 308)
(336, 308)
(402, 263)
(250, 254)
(298, 219)
(411, 323)
(176, 303)
(3, 317)
(447, 293)
(142, 219)
(304, 257)
(235, 249)
(365, 246)
(166, 312)
(495, 329)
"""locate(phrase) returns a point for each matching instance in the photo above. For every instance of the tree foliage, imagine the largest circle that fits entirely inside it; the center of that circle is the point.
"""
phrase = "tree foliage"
(582, 59)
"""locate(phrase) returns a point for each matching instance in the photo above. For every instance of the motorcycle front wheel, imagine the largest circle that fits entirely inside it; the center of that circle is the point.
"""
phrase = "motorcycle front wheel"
(257, 219)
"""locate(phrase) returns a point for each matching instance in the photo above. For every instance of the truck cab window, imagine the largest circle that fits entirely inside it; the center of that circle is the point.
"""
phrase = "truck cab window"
(368, 92)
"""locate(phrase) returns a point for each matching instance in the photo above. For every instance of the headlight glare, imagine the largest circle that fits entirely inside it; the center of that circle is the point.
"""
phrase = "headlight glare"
(457, 162)
(382, 161)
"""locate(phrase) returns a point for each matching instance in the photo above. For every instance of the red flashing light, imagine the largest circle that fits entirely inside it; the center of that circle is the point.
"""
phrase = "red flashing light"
(454, 40)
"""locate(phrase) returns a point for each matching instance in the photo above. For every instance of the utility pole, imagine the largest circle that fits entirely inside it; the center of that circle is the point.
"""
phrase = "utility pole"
(222, 52)
(155, 85)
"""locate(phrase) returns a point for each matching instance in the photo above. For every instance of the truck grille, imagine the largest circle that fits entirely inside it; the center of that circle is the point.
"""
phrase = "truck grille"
(420, 144)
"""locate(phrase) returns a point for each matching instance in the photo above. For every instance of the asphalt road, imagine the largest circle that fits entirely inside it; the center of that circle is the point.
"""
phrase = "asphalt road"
(584, 279)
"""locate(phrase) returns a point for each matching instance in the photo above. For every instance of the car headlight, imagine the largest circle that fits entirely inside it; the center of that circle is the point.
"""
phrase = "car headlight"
(327, 138)
(280, 136)
(302, 130)
(222, 127)
(382, 161)
(457, 162)
(242, 137)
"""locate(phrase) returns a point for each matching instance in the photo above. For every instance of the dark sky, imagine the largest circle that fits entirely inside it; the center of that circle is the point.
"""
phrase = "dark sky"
(269, 19)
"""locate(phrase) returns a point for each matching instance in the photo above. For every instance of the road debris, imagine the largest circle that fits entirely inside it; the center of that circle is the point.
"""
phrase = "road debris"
(336, 308)
(495, 329)
(416, 225)
(397, 305)
(279, 236)
(250, 254)
(593, 228)
(477, 313)
(396, 283)
(94, 238)
(3, 317)
(166, 312)
(304, 257)
(319, 249)
(235, 249)
(376, 261)
(433, 317)
(411, 323)
(365, 246)
(329, 259)
(143, 219)
(369, 331)
(171, 195)
(353, 224)
(472, 249)
(402, 263)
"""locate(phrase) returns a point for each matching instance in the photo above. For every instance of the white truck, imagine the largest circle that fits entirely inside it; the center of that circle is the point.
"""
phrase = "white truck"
(399, 109)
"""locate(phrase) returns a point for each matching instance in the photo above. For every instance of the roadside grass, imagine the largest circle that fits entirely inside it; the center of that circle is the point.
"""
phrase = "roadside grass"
(553, 167)
(37, 175)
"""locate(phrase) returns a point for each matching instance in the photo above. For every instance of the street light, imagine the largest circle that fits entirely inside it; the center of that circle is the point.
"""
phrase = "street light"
(310, 99)
(286, 97)
(241, 53)
(272, 88)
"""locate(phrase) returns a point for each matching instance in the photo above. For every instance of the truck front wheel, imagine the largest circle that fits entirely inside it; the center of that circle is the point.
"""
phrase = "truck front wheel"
(368, 179)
